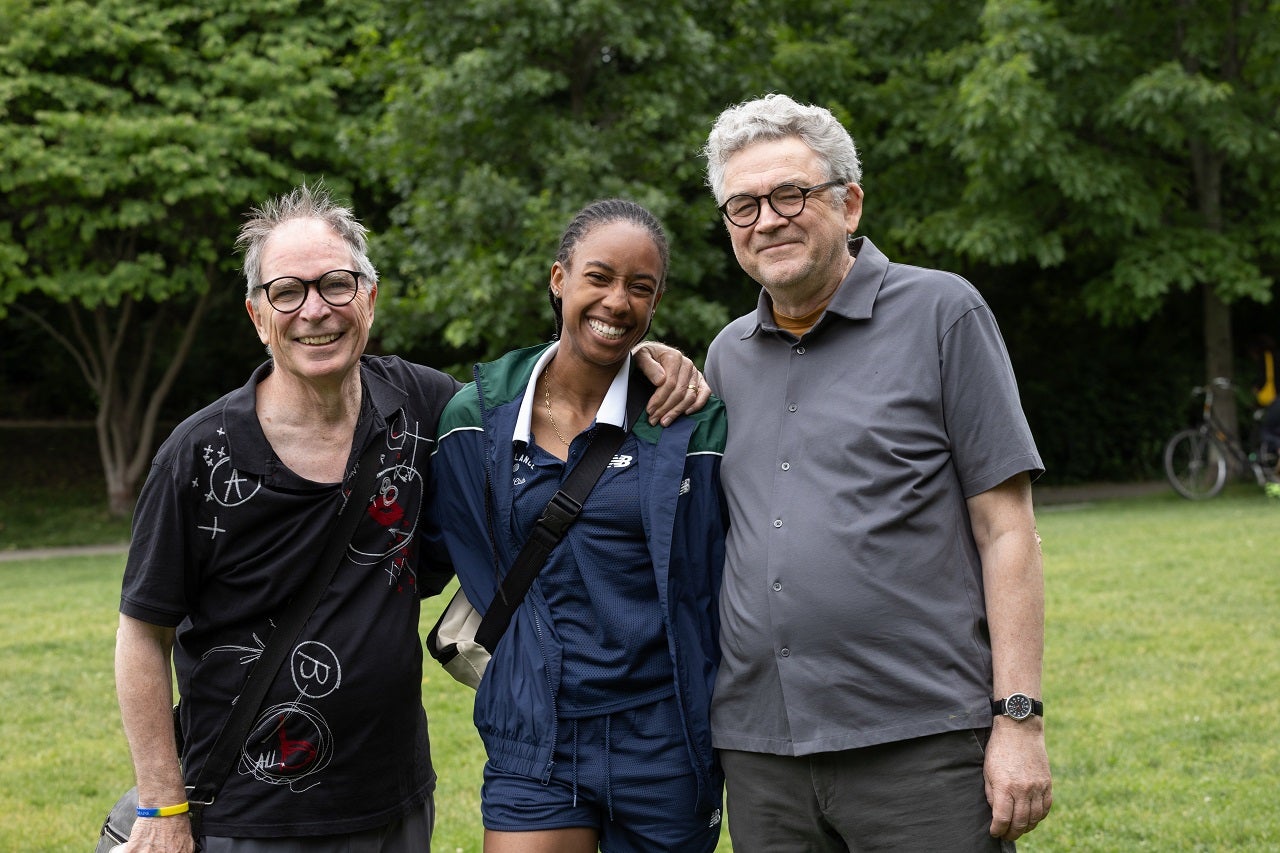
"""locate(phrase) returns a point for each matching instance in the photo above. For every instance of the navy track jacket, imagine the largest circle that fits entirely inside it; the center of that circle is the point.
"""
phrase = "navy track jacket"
(684, 518)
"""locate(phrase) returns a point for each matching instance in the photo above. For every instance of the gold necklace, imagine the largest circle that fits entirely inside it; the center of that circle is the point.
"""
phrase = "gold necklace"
(546, 397)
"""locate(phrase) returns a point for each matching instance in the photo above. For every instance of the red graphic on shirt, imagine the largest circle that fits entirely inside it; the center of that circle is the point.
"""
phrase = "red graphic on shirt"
(295, 755)
(386, 510)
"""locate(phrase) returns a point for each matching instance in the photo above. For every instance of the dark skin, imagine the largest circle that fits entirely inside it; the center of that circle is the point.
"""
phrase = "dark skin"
(608, 291)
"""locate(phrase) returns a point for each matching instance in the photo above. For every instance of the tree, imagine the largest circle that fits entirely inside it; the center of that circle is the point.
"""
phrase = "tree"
(1137, 142)
(133, 136)
(1063, 154)
(504, 118)
(1130, 151)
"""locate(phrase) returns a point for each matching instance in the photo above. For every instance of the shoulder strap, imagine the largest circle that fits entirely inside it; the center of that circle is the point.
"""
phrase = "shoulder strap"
(227, 747)
(561, 512)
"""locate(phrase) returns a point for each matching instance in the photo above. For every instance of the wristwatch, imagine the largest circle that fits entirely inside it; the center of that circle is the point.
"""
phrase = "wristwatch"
(1017, 706)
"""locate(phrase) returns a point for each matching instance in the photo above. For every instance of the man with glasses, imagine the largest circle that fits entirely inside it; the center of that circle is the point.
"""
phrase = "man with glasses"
(234, 516)
(883, 597)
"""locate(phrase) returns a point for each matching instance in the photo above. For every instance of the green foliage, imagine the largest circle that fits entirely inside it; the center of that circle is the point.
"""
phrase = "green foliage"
(502, 120)
(1083, 162)
(1135, 145)
(133, 137)
(995, 133)
(879, 68)
(1146, 138)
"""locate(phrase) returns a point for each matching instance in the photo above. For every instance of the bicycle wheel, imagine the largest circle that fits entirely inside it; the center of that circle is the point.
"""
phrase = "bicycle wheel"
(1195, 464)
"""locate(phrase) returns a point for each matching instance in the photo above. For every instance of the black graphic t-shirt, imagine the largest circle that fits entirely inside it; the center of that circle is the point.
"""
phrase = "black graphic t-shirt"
(224, 536)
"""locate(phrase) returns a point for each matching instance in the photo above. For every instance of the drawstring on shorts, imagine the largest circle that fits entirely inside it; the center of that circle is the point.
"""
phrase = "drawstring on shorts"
(608, 770)
(608, 766)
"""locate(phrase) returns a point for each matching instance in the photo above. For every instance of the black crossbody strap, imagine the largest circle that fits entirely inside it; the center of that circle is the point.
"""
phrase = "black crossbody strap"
(222, 757)
(561, 512)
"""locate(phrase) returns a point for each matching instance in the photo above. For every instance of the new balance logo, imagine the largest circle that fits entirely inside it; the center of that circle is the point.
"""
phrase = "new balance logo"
(684, 486)
(622, 460)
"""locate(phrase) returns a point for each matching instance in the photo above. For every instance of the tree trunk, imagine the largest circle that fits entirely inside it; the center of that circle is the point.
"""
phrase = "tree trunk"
(128, 409)
(1207, 164)
(126, 428)
(1219, 357)
(120, 494)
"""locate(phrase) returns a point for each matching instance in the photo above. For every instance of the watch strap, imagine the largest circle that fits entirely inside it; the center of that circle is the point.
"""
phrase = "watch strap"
(999, 706)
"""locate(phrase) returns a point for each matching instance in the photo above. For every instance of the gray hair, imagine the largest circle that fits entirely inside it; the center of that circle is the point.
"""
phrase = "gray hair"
(303, 202)
(776, 117)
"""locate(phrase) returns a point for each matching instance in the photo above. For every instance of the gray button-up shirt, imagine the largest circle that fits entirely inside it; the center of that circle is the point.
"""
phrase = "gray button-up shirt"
(852, 608)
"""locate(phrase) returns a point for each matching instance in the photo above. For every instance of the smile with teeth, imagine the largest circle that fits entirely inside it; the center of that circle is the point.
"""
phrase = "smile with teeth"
(319, 340)
(605, 330)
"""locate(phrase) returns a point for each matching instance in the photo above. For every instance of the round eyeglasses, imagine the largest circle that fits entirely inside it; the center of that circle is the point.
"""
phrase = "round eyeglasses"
(787, 200)
(336, 287)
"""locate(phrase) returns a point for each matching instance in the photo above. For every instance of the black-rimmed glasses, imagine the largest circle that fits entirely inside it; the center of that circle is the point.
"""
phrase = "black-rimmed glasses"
(787, 200)
(287, 293)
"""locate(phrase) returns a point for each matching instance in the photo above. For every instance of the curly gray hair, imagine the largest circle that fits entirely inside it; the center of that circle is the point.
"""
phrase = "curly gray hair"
(774, 117)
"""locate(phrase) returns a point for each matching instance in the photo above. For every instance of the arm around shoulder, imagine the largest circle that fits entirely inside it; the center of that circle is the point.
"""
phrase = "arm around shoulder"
(679, 387)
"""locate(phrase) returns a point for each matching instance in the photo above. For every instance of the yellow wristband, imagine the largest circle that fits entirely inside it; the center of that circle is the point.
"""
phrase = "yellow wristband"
(164, 811)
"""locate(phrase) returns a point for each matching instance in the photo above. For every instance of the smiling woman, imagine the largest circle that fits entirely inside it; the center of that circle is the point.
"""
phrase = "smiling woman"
(605, 287)
(594, 708)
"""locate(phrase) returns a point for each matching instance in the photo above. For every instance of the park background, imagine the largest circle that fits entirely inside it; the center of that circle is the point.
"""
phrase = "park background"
(1106, 173)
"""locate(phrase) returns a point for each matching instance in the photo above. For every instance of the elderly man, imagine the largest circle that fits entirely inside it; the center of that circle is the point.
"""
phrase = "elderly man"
(233, 517)
(882, 595)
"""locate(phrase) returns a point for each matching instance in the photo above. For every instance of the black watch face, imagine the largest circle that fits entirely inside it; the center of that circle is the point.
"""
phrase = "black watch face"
(1018, 706)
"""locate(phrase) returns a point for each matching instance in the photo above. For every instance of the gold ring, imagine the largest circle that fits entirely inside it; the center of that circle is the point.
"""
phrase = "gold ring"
(693, 387)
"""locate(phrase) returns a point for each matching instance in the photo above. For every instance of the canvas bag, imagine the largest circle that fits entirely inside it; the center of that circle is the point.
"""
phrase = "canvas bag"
(452, 642)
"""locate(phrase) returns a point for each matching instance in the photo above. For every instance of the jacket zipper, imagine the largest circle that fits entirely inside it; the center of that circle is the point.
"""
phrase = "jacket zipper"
(555, 711)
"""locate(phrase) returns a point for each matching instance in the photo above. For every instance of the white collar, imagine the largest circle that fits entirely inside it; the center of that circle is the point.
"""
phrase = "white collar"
(613, 409)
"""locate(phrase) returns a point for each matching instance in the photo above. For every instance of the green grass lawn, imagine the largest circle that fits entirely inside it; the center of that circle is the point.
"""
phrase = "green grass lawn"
(1162, 660)
(1162, 663)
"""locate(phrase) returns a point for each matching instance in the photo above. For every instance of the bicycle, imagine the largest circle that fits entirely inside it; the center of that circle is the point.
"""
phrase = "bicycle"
(1198, 459)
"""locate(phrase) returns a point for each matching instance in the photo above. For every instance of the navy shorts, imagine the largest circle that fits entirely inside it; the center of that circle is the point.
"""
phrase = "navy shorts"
(627, 775)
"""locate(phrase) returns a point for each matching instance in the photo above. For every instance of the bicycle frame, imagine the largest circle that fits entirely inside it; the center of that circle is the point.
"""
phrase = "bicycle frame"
(1211, 424)
(1197, 460)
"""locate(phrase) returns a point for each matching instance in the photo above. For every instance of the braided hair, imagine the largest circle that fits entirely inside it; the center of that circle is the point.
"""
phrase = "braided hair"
(605, 212)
